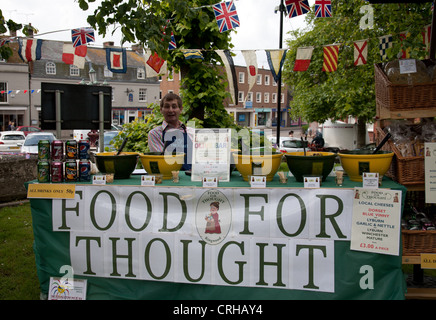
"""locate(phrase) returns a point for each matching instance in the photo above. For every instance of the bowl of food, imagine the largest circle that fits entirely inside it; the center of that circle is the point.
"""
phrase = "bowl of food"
(355, 162)
(310, 163)
(158, 163)
(257, 164)
(121, 165)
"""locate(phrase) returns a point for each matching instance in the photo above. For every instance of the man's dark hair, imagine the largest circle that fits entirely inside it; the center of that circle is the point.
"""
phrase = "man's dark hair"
(171, 96)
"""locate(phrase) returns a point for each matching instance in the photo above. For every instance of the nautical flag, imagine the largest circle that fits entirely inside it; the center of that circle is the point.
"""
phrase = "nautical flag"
(81, 36)
(192, 54)
(405, 52)
(74, 55)
(302, 62)
(251, 62)
(331, 54)
(297, 7)
(426, 35)
(276, 58)
(226, 15)
(323, 8)
(154, 65)
(231, 73)
(116, 59)
(29, 49)
(360, 52)
(385, 42)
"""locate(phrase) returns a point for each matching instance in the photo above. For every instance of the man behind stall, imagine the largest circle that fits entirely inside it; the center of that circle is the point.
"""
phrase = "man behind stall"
(172, 132)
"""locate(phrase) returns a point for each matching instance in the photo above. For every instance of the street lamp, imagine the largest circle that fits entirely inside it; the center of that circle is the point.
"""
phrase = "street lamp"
(281, 10)
(92, 76)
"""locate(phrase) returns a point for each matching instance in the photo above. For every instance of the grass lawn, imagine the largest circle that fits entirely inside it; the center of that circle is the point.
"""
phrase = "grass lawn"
(18, 280)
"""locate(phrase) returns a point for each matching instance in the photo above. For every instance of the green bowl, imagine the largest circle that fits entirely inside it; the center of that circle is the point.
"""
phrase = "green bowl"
(311, 164)
(121, 165)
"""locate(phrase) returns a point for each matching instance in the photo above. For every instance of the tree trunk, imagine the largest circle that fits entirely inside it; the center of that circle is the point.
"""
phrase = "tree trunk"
(361, 133)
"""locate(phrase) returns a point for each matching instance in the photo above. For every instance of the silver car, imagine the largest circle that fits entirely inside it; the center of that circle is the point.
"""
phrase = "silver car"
(30, 144)
(10, 141)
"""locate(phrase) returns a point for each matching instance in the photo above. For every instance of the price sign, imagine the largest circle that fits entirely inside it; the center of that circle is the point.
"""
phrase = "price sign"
(51, 191)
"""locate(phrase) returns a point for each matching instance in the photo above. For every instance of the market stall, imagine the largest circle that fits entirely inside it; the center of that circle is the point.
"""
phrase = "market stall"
(130, 241)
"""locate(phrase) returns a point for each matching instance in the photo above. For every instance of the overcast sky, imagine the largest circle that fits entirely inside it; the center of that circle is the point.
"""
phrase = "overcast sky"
(259, 25)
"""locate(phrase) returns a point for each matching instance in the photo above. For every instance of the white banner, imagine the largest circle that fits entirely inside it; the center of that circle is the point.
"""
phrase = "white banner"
(279, 238)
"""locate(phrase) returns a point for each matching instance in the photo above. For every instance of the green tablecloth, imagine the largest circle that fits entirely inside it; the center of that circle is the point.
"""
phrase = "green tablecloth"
(52, 252)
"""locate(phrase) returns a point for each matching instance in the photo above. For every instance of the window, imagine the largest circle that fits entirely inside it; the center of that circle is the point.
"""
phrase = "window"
(74, 71)
(142, 94)
(258, 97)
(4, 95)
(140, 73)
(259, 79)
(274, 83)
(250, 97)
(107, 72)
(282, 100)
(267, 80)
(266, 97)
(50, 68)
(241, 77)
(274, 98)
(241, 96)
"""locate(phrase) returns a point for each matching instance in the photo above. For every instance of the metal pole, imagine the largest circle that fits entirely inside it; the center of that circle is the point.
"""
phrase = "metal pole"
(101, 120)
(433, 36)
(58, 113)
(279, 84)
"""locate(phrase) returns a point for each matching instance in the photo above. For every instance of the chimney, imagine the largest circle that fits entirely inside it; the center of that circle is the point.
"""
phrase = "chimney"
(137, 48)
(30, 31)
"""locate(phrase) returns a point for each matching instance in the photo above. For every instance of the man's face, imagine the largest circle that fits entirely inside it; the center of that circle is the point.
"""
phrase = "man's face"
(171, 111)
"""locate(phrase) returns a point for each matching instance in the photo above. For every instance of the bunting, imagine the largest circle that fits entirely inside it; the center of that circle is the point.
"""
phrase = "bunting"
(226, 15)
(155, 66)
(405, 52)
(331, 54)
(297, 7)
(385, 42)
(251, 61)
(192, 54)
(360, 52)
(323, 8)
(116, 59)
(231, 73)
(304, 55)
(29, 49)
(276, 58)
(82, 36)
(426, 35)
(74, 55)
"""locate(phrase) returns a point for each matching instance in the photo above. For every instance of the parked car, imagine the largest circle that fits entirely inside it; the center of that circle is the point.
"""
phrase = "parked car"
(108, 136)
(28, 129)
(292, 145)
(11, 140)
(30, 144)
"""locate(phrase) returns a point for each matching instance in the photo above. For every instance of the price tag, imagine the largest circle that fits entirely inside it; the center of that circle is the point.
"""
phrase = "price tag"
(99, 179)
(370, 180)
(210, 181)
(312, 182)
(407, 66)
(51, 191)
(428, 261)
(148, 180)
(257, 181)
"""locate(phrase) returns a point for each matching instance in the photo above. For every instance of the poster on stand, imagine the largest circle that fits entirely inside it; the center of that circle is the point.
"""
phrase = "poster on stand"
(211, 154)
(376, 221)
(430, 171)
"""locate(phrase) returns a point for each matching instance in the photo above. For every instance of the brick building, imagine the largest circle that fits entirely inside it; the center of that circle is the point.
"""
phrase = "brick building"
(255, 108)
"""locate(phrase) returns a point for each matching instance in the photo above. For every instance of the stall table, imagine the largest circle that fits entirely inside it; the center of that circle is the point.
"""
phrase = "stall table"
(243, 265)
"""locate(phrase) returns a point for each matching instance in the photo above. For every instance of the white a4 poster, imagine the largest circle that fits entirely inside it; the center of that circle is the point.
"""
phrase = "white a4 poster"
(430, 172)
(211, 154)
(376, 222)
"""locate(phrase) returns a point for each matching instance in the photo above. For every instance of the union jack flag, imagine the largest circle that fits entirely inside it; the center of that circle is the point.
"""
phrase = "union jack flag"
(82, 36)
(226, 15)
(323, 8)
(172, 45)
(297, 7)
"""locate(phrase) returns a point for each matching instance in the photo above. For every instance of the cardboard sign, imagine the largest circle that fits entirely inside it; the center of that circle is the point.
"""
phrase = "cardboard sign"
(50, 191)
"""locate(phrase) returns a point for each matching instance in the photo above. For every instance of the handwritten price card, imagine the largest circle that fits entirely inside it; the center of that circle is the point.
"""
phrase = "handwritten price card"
(376, 223)
(51, 191)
